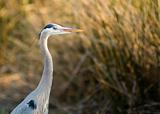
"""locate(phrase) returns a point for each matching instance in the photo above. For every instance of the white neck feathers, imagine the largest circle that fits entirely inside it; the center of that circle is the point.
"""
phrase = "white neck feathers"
(46, 80)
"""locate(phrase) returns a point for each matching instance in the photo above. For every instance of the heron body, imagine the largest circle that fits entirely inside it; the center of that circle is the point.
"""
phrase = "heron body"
(37, 101)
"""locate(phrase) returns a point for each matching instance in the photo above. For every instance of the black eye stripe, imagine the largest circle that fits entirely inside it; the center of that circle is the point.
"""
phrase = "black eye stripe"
(49, 26)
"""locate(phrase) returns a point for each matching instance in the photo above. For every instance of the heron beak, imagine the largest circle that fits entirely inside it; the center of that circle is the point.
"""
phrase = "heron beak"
(68, 29)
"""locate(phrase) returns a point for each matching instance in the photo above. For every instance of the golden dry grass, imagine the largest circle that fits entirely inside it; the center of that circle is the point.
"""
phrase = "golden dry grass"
(113, 67)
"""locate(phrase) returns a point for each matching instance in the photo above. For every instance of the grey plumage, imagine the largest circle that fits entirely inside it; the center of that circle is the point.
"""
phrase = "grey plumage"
(37, 101)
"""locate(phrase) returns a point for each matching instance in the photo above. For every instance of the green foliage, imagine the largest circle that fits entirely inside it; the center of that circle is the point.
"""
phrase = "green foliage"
(2, 111)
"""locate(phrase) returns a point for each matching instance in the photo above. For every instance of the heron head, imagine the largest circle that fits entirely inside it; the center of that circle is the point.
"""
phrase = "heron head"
(55, 29)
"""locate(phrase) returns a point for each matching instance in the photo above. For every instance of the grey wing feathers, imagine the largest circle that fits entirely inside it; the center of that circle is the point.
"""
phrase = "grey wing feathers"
(20, 109)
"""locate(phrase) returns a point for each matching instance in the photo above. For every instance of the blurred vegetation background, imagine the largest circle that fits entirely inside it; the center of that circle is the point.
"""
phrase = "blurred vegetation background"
(111, 68)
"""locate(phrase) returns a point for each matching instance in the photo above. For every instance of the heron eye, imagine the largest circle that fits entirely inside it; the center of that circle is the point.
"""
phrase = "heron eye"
(55, 28)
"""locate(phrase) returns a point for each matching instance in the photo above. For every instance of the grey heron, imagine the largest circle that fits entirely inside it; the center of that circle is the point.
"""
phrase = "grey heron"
(37, 101)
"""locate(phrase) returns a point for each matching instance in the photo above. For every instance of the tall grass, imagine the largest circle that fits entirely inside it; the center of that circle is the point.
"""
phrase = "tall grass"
(114, 68)
(122, 38)
(12, 21)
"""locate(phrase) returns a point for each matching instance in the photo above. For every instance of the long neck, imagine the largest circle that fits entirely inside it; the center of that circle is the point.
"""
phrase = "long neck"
(46, 80)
